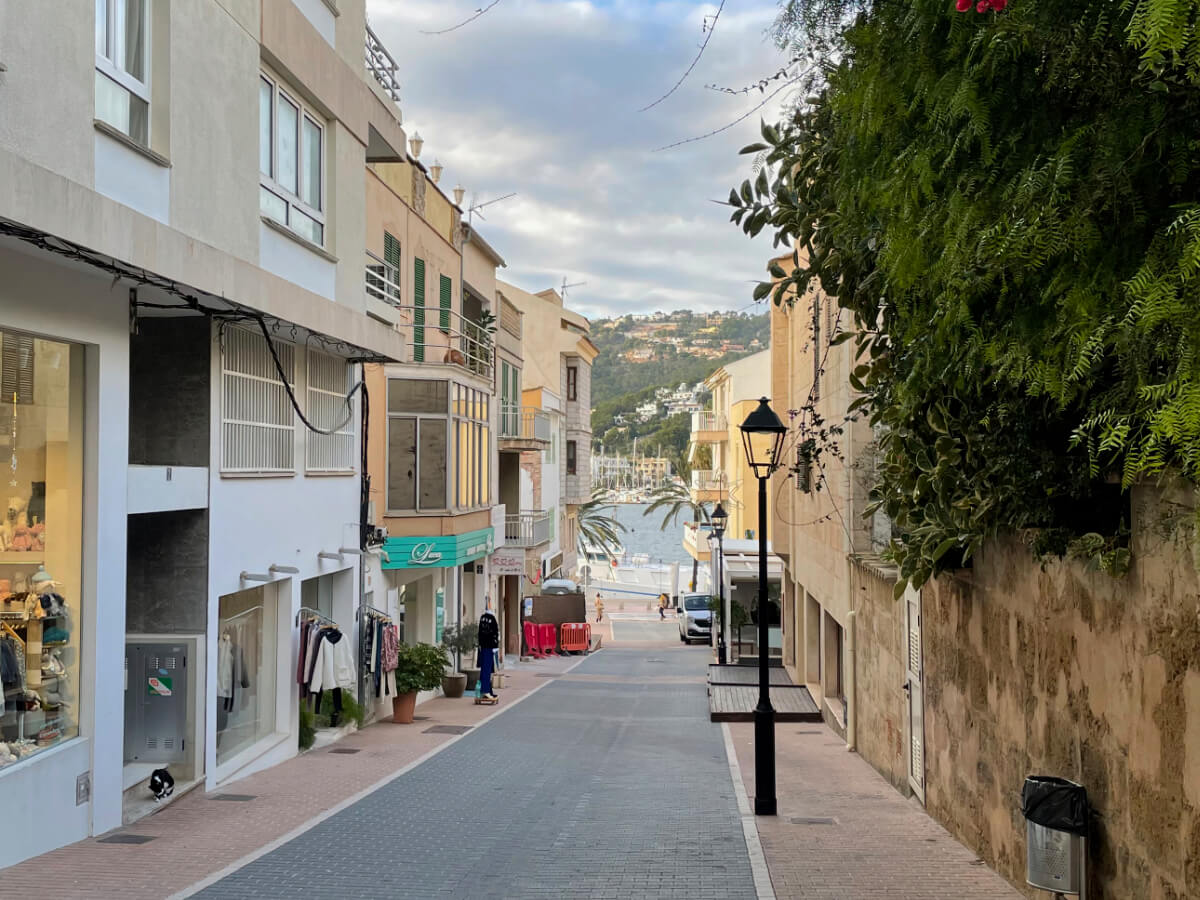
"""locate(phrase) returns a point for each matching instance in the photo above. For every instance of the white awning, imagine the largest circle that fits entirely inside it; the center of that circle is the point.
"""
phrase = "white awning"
(744, 566)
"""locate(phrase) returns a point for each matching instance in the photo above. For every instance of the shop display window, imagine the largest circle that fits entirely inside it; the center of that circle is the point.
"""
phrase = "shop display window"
(247, 636)
(41, 487)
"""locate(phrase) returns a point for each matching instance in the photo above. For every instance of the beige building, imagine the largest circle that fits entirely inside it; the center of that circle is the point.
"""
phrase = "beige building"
(558, 359)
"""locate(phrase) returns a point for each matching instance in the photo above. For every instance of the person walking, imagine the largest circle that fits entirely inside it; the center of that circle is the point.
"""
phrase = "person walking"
(662, 606)
(599, 607)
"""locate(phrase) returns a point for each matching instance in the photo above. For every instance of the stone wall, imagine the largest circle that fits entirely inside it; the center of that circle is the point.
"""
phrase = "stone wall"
(879, 670)
(167, 573)
(1060, 670)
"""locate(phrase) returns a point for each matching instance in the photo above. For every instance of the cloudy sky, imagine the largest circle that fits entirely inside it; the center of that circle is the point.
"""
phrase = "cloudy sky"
(542, 97)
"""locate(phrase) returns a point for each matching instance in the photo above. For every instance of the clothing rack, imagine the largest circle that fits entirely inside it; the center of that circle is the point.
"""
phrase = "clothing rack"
(367, 610)
(306, 612)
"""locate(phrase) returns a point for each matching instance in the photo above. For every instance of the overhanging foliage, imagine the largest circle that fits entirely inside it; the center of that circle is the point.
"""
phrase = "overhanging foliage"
(1007, 206)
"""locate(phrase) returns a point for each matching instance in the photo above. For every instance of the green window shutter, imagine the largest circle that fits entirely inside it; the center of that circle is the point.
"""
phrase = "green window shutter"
(444, 322)
(391, 259)
(419, 312)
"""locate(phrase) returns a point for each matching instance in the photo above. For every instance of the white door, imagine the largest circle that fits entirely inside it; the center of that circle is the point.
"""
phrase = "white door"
(915, 694)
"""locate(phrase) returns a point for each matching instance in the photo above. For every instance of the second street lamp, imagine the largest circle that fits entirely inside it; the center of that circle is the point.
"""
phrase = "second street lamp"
(762, 435)
(720, 519)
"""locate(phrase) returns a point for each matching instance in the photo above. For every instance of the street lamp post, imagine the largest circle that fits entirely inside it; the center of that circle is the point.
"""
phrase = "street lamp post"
(719, 519)
(762, 435)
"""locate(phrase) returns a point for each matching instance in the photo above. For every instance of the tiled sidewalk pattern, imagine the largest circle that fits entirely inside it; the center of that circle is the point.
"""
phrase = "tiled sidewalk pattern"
(197, 836)
(880, 844)
(590, 789)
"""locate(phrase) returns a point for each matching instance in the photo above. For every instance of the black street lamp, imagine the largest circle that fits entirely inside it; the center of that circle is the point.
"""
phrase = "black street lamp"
(720, 519)
(762, 434)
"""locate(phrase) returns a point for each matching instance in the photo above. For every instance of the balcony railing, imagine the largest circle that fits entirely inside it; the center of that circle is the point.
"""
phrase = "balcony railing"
(709, 421)
(695, 538)
(527, 529)
(381, 64)
(526, 423)
(438, 335)
(707, 480)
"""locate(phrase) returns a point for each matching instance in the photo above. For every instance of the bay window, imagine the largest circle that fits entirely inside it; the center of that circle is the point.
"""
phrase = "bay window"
(123, 67)
(291, 159)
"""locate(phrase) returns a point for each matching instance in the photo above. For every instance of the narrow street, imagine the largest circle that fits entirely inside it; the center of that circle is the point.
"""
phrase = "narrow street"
(610, 782)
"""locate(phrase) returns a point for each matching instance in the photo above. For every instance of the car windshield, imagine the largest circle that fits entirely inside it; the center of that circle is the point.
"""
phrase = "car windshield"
(695, 603)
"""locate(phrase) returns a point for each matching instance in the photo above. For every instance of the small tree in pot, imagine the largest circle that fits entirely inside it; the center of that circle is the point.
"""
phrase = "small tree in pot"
(419, 667)
(460, 642)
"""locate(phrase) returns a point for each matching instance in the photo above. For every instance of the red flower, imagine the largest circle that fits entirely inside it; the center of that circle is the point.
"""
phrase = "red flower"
(982, 6)
(963, 5)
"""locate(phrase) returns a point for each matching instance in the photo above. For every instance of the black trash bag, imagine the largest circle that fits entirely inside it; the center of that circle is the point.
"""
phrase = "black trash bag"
(1055, 803)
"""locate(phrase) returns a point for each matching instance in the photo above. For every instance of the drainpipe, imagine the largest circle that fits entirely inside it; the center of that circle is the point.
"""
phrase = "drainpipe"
(852, 704)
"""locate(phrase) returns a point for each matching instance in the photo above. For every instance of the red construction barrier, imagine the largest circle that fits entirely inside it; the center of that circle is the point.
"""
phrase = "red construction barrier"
(547, 637)
(575, 637)
(532, 640)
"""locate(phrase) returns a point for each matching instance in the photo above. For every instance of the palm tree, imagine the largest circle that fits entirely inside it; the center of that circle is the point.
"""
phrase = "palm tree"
(676, 498)
(595, 528)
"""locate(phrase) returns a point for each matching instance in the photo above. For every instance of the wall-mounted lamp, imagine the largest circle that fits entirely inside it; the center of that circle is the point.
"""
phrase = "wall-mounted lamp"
(416, 142)
(435, 171)
(459, 193)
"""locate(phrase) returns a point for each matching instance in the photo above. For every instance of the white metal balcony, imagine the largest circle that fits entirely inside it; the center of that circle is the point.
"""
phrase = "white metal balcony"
(381, 64)
(709, 425)
(523, 428)
(435, 335)
(527, 529)
(709, 485)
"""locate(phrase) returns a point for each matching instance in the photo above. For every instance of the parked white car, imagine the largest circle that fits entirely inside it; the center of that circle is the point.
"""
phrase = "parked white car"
(694, 618)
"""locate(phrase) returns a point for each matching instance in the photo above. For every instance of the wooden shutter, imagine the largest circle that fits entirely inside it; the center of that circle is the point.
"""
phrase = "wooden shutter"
(16, 369)
(419, 311)
(391, 256)
(444, 302)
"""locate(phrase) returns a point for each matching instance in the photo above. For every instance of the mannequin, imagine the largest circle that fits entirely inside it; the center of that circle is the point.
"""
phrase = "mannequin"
(489, 641)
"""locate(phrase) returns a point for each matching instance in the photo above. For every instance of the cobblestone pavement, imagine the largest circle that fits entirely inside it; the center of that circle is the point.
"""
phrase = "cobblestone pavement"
(591, 788)
(844, 833)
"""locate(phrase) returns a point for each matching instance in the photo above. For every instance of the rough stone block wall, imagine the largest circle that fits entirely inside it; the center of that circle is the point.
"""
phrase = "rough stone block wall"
(167, 573)
(531, 463)
(169, 392)
(879, 671)
(1059, 670)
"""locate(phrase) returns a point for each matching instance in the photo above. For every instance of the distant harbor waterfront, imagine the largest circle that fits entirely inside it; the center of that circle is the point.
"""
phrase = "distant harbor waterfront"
(644, 535)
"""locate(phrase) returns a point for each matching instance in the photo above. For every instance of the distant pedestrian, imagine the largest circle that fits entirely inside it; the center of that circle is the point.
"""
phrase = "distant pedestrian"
(663, 600)
(599, 607)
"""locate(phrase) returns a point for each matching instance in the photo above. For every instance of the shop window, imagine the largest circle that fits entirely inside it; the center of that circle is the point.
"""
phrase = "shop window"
(258, 422)
(247, 644)
(328, 385)
(41, 430)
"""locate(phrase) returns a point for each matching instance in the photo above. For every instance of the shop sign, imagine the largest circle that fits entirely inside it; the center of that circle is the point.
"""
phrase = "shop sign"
(157, 686)
(508, 562)
(528, 606)
(437, 551)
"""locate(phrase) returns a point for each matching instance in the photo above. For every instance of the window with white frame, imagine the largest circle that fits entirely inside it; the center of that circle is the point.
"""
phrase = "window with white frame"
(291, 159)
(123, 67)
(258, 422)
(329, 380)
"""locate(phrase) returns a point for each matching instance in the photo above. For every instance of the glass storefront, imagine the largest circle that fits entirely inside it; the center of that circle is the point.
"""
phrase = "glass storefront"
(41, 463)
(247, 642)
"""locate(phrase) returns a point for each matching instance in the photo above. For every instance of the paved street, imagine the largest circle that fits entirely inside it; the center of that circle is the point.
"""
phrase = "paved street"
(591, 788)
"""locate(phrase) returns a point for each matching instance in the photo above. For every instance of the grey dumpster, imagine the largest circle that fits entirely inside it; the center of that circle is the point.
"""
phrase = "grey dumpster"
(1056, 819)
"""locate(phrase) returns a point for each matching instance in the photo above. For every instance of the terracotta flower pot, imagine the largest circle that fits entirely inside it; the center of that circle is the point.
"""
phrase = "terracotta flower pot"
(404, 707)
(454, 684)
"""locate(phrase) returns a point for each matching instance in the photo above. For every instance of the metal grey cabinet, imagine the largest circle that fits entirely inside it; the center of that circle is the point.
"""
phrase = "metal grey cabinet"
(156, 692)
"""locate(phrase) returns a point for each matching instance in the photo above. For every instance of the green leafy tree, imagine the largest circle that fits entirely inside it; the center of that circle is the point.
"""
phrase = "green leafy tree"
(596, 529)
(1003, 207)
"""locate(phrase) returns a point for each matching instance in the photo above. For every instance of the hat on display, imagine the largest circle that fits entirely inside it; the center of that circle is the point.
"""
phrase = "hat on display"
(55, 635)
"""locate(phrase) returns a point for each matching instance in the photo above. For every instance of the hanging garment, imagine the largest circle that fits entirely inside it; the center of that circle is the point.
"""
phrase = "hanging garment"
(391, 648)
(334, 664)
(314, 641)
(303, 652)
(376, 668)
(231, 670)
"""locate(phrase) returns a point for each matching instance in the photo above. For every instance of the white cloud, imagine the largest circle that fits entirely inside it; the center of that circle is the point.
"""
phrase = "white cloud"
(542, 97)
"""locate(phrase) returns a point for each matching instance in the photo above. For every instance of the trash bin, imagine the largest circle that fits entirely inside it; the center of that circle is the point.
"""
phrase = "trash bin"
(1056, 821)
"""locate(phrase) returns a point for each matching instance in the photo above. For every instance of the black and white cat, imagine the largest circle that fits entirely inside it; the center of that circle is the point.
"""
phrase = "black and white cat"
(162, 785)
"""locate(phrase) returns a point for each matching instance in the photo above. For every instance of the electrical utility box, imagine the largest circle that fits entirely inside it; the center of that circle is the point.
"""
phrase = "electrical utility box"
(156, 700)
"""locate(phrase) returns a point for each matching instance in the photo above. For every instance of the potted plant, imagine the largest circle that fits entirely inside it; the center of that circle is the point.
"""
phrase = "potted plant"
(459, 642)
(419, 667)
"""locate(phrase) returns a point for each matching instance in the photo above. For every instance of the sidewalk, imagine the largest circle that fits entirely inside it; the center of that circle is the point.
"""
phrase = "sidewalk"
(199, 835)
(843, 832)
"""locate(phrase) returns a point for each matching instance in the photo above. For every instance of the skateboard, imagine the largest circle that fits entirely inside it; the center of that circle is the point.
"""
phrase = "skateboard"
(484, 701)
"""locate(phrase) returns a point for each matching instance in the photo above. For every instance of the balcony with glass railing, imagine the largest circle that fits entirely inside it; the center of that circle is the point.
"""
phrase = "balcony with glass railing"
(523, 428)
(382, 65)
(708, 485)
(527, 529)
(709, 427)
(696, 540)
(434, 335)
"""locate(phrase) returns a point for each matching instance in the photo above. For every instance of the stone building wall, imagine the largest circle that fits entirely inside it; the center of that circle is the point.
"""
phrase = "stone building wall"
(1060, 670)
(879, 670)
